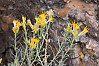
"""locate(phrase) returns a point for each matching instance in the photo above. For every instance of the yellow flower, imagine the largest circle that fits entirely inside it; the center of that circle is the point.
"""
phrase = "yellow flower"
(50, 19)
(16, 26)
(16, 23)
(0, 60)
(38, 20)
(34, 27)
(23, 22)
(42, 19)
(15, 29)
(75, 26)
(28, 22)
(84, 31)
(64, 29)
(24, 19)
(32, 42)
(68, 29)
(28, 41)
(43, 15)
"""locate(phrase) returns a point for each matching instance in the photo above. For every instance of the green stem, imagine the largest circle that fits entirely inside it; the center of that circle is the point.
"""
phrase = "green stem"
(45, 36)
(58, 51)
(25, 34)
(67, 51)
(15, 41)
(25, 39)
(15, 48)
(25, 43)
(46, 49)
(39, 55)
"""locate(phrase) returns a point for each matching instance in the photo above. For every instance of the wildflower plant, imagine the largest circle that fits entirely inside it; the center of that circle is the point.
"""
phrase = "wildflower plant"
(31, 53)
(34, 53)
(62, 51)
(74, 30)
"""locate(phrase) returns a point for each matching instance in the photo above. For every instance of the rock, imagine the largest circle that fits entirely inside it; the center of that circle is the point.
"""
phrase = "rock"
(97, 53)
(65, 0)
(78, 4)
(2, 8)
(9, 55)
(91, 20)
(90, 11)
(7, 19)
(3, 42)
(88, 61)
(98, 61)
(84, 39)
(77, 51)
(87, 1)
(78, 14)
(92, 44)
(62, 12)
(53, 1)
(4, 26)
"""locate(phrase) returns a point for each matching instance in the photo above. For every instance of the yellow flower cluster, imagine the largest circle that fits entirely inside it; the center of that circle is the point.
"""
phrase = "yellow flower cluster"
(68, 29)
(41, 20)
(32, 42)
(75, 27)
(17, 24)
(34, 27)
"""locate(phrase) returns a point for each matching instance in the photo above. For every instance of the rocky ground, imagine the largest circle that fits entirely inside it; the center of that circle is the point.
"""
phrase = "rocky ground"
(85, 12)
